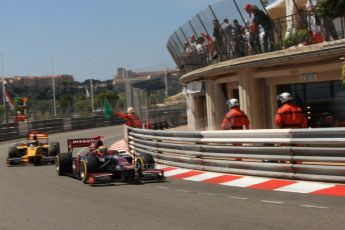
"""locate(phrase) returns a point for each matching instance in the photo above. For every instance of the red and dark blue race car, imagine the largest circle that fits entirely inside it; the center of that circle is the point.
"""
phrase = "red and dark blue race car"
(100, 163)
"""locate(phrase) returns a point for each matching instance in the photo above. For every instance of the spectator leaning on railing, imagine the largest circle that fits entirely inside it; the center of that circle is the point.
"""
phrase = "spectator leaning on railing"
(262, 19)
(314, 23)
(239, 41)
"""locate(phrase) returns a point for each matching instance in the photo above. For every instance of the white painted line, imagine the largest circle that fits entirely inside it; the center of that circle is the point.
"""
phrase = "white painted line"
(182, 190)
(176, 172)
(237, 198)
(203, 176)
(161, 187)
(207, 194)
(304, 187)
(246, 181)
(272, 202)
(313, 206)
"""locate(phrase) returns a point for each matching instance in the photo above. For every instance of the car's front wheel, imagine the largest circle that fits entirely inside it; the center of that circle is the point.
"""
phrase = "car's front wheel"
(63, 163)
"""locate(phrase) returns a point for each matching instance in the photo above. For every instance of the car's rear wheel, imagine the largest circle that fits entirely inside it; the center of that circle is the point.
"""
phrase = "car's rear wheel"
(63, 163)
(54, 149)
(83, 171)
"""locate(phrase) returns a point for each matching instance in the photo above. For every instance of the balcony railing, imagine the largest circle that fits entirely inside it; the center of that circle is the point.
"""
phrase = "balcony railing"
(206, 39)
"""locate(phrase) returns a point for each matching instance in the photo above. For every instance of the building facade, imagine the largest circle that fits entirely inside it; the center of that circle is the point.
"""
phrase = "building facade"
(311, 74)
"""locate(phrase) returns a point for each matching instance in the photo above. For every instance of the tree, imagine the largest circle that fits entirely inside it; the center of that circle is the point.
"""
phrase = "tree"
(112, 97)
(65, 102)
(82, 106)
(331, 8)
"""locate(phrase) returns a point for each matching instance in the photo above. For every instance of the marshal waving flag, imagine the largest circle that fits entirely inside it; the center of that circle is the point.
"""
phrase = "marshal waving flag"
(8, 96)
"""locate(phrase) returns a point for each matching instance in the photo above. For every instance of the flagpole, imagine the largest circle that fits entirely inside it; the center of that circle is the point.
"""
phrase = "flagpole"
(53, 84)
(91, 85)
(3, 85)
(4, 101)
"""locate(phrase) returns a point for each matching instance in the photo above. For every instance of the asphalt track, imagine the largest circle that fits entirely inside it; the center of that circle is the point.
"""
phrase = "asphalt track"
(34, 197)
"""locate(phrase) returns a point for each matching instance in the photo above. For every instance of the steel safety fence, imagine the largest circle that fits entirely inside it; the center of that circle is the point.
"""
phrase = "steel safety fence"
(159, 119)
(309, 154)
(196, 44)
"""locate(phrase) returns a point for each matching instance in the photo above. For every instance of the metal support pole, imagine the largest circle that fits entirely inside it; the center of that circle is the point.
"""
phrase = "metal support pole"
(128, 89)
(203, 25)
(191, 26)
(166, 81)
(185, 36)
(4, 101)
(53, 85)
(3, 86)
(91, 85)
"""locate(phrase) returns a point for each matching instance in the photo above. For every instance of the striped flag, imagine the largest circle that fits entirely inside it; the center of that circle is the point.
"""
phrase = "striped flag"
(8, 96)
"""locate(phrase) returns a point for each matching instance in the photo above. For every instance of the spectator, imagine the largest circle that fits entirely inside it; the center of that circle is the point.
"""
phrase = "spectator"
(209, 45)
(187, 50)
(254, 39)
(235, 118)
(130, 117)
(289, 115)
(261, 18)
(326, 120)
(193, 42)
(199, 45)
(218, 39)
(228, 31)
(314, 23)
(239, 32)
(326, 24)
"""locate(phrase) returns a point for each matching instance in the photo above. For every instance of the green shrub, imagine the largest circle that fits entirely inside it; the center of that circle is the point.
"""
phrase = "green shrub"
(296, 38)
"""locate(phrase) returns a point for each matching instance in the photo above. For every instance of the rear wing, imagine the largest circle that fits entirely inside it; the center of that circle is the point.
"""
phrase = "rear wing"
(39, 136)
(81, 142)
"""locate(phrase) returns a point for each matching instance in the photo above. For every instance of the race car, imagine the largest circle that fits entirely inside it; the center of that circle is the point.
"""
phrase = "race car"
(37, 150)
(101, 164)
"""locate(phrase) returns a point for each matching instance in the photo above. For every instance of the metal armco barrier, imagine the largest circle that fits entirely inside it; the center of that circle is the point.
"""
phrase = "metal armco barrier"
(305, 154)
(159, 120)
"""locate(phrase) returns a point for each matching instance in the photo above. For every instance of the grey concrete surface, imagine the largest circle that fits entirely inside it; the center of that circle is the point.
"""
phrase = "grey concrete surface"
(34, 197)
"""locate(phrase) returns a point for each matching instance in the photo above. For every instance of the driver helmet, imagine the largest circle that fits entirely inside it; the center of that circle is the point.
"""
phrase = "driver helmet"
(232, 103)
(285, 97)
(103, 150)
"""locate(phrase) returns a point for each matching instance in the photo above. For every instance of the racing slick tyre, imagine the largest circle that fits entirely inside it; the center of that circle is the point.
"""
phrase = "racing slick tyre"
(54, 149)
(144, 161)
(13, 153)
(87, 165)
(63, 163)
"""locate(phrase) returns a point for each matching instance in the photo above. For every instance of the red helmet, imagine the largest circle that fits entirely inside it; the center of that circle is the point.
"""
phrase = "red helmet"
(248, 6)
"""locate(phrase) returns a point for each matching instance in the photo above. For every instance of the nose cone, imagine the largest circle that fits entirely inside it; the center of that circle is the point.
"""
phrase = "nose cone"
(33, 151)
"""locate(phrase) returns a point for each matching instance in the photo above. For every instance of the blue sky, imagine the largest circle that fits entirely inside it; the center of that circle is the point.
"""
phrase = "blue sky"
(89, 36)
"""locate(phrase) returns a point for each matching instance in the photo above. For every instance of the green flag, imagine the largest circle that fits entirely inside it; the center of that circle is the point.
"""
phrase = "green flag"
(107, 110)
